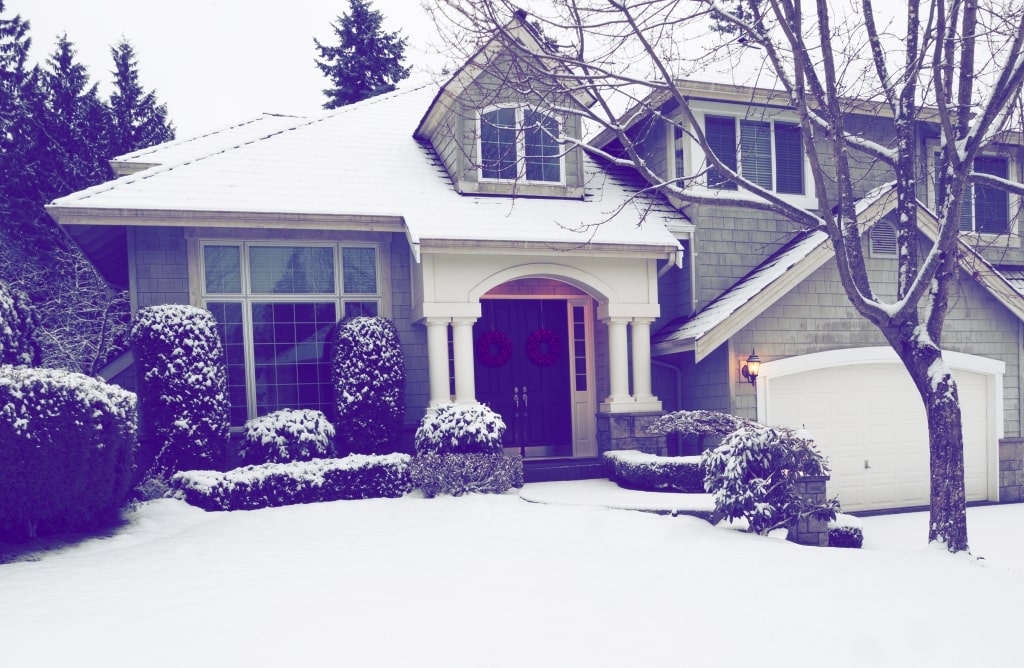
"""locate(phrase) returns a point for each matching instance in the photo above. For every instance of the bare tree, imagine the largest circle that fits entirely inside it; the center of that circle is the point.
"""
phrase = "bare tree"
(955, 65)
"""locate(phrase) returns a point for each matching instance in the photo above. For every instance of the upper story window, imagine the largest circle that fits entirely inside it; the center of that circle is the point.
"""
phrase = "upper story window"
(768, 153)
(519, 144)
(984, 209)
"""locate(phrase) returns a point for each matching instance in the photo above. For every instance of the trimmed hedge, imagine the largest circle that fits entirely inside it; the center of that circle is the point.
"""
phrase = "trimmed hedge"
(67, 444)
(460, 428)
(458, 473)
(368, 371)
(638, 470)
(845, 531)
(183, 398)
(270, 485)
(287, 435)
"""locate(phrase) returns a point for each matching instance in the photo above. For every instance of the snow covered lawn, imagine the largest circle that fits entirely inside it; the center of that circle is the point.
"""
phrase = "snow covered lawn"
(494, 581)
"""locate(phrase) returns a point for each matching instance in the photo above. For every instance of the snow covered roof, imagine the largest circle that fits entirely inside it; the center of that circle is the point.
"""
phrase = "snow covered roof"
(358, 165)
(707, 329)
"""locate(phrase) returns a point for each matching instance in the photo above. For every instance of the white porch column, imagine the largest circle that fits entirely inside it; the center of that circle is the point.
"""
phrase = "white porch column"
(642, 365)
(462, 340)
(437, 360)
(618, 363)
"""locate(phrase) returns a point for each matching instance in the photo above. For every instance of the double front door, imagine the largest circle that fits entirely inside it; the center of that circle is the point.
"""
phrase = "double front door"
(523, 360)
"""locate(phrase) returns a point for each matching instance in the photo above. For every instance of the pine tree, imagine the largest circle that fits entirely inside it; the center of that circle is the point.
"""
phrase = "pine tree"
(138, 121)
(365, 62)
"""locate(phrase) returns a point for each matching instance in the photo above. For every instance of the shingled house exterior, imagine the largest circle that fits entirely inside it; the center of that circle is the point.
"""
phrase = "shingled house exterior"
(554, 287)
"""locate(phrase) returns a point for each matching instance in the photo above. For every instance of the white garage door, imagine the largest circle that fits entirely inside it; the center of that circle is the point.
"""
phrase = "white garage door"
(869, 421)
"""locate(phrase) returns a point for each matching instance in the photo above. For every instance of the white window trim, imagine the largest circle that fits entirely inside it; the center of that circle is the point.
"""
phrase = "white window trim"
(1008, 240)
(520, 146)
(694, 155)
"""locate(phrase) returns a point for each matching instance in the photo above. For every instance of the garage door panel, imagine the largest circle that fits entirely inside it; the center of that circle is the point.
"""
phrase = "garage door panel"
(870, 422)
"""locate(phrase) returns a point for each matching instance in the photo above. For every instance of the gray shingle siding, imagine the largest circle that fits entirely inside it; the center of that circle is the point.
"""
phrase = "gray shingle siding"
(160, 266)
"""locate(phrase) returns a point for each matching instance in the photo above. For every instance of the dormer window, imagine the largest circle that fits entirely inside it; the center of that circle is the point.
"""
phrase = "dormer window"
(519, 144)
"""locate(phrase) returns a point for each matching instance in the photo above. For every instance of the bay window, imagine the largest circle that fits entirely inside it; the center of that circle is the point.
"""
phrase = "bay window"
(276, 306)
(766, 152)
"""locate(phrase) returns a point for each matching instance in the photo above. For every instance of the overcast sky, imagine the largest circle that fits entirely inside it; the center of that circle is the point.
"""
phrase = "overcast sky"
(215, 62)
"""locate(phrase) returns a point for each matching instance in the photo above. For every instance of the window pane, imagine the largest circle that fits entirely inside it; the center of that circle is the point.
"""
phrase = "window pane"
(789, 159)
(222, 266)
(991, 205)
(721, 135)
(541, 147)
(756, 152)
(291, 367)
(291, 270)
(360, 309)
(677, 146)
(359, 270)
(498, 144)
(229, 327)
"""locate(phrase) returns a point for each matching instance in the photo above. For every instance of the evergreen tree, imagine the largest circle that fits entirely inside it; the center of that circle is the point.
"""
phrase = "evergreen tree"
(138, 121)
(365, 62)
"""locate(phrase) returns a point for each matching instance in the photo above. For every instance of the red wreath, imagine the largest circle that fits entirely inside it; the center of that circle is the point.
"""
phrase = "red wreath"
(535, 344)
(501, 352)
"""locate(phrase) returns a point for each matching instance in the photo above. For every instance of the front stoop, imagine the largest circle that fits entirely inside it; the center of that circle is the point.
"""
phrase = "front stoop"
(550, 470)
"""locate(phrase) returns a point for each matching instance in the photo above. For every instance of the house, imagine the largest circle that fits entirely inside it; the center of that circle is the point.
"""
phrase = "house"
(552, 286)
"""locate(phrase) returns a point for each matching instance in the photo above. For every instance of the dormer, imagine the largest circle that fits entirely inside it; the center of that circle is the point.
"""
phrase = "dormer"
(498, 130)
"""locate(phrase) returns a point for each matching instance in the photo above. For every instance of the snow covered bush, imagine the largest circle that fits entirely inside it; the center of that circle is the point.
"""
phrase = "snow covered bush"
(638, 470)
(845, 531)
(18, 324)
(183, 400)
(67, 444)
(753, 472)
(368, 371)
(269, 485)
(458, 473)
(460, 428)
(459, 450)
(699, 423)
(287, 435)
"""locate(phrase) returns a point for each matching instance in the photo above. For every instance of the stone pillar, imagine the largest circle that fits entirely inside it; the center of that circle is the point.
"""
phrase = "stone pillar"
(807, 530)
(462, 340)
(646, 401)
(618, 362)
(437, 360)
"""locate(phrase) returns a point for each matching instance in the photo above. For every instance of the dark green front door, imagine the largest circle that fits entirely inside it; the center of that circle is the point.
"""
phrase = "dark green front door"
(530, 389)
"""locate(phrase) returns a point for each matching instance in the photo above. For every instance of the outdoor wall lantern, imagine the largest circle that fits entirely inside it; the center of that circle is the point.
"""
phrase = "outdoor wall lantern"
(752, 367)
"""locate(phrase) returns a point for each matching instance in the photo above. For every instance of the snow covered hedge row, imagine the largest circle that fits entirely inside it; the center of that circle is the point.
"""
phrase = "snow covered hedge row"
(458, 473)
(287, 435)
(183, 400)
(269, 485)
(67, 444)
(18, 323)
(638, 470)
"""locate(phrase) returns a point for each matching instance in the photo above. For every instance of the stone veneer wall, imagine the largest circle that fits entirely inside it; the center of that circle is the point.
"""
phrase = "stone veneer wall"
(628, 431)
(1011, 470)
(808, 530)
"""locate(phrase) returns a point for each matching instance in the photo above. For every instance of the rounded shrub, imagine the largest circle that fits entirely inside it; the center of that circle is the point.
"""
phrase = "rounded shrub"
(183, 400)
(18, 324)
(460, 428)
(67, 444)
(287, 435)
(368, 371)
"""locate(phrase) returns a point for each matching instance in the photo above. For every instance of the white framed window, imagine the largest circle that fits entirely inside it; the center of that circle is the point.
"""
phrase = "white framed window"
(764, 145)
(984, 209)
(276, 305)
(518, 143)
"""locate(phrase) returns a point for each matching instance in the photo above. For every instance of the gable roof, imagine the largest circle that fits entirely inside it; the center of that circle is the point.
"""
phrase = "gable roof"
(735, 308)
(359, 167)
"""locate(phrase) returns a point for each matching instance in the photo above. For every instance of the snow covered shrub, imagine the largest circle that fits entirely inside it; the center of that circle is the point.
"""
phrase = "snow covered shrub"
(457, 473)
(18, 323)
(699, 423)
(845, 531)
(753, 472)
(67, 444)
(270, 485)
(460, 428)
(638, 470)
(369, 385)
(287, 435)
(183, 400)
